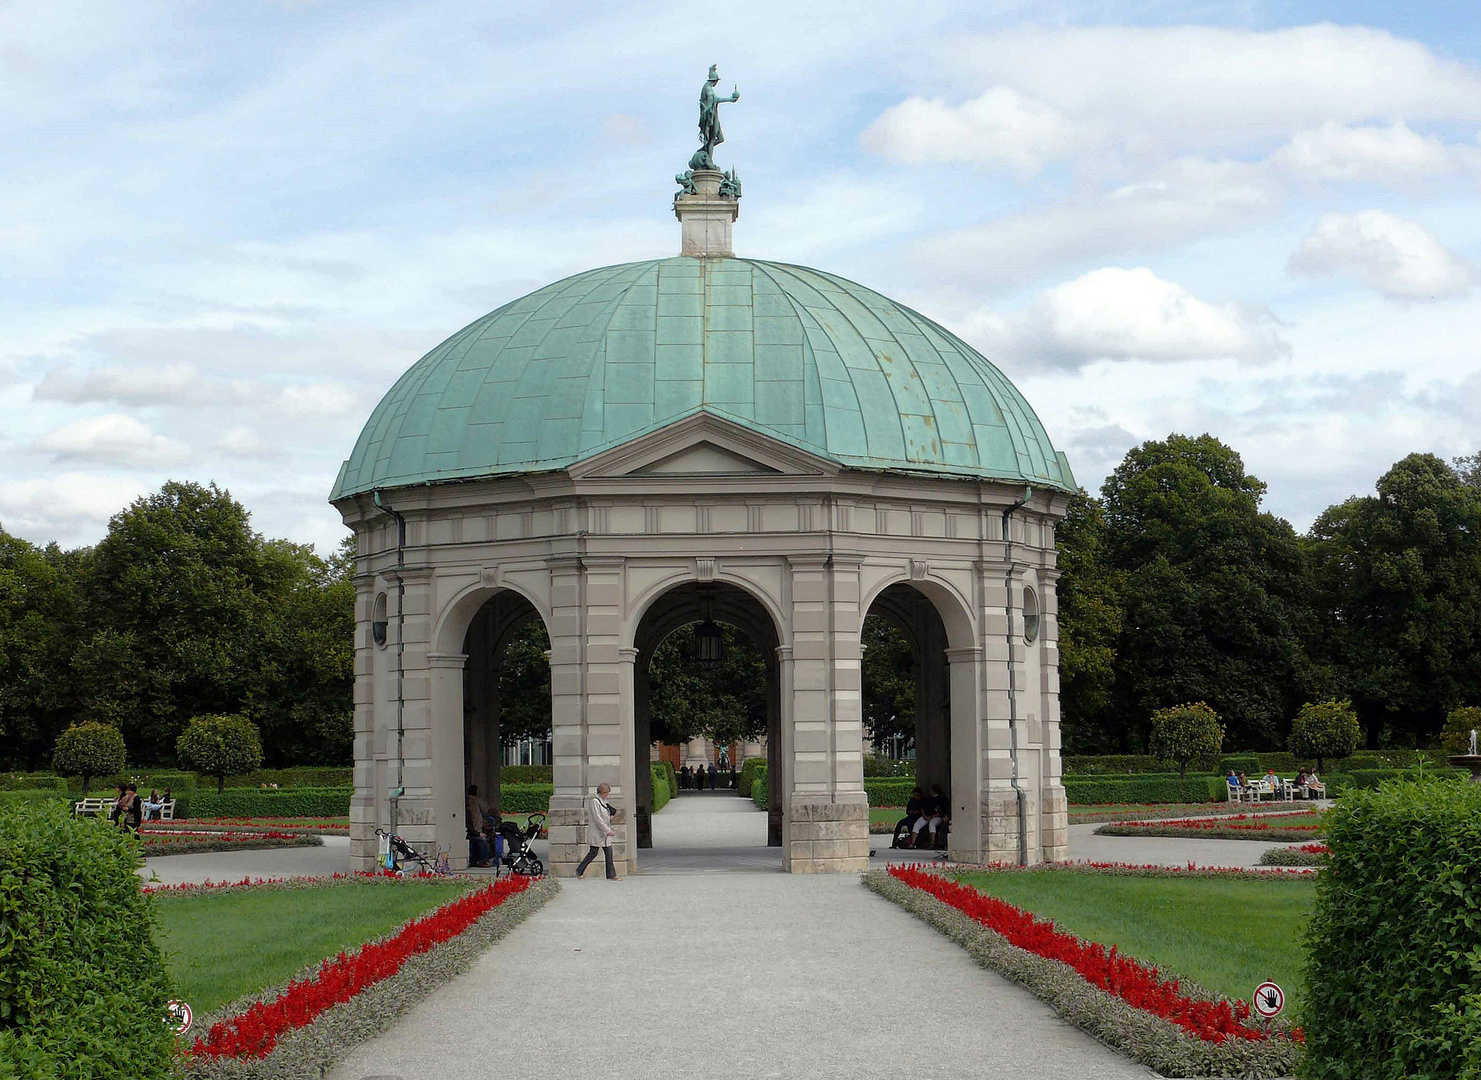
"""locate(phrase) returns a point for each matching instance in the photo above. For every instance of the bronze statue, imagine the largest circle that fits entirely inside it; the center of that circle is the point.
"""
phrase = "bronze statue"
(731, 184)
(685, 180)
(710, 133)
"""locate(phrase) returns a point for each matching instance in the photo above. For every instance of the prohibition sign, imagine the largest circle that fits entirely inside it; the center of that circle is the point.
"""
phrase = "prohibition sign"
(178, 1015)
(1269, 999)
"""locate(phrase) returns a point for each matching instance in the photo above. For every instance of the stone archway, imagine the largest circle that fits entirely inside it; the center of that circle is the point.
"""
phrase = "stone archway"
(684, 605)
(490, 632)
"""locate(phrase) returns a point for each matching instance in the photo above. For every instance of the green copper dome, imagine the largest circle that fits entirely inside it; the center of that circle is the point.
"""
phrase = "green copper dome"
(602, 357)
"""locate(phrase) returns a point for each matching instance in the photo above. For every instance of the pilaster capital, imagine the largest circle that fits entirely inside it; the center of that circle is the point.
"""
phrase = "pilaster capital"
(446, 660)
(784, 653)
(970, 655)
(627, 655)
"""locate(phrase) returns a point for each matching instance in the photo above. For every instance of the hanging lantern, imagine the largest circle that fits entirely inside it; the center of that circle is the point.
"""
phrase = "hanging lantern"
(709, 643)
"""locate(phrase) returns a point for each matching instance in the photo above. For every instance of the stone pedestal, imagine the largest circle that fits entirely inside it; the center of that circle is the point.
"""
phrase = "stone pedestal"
(828, 838)
(1468, 761)
(706, 216)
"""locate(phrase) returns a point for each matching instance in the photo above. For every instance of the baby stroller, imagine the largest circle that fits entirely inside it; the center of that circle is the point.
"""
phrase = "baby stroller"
(518, 855)
(397, 855)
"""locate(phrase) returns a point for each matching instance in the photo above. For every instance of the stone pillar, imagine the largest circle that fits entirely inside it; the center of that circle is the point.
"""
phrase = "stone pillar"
(369, 744)
(827, 806)
(445, 744)
(1054, 810)
(608, 700)
(775, 802)
(643, 747)
(964, 842)
(635, 768)
(567, 818)
(999, 802)
(414, 815)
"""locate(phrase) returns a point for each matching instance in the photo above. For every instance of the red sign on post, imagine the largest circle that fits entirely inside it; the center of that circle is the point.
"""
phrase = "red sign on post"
(1269, 1000)
(179, 1016)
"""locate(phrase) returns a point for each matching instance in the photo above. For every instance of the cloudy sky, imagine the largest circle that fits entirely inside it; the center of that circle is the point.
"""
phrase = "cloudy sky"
(227, 227)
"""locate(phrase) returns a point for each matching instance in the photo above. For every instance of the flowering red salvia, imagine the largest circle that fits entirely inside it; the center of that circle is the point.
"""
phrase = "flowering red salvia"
(1130, 980)
(254, 1033)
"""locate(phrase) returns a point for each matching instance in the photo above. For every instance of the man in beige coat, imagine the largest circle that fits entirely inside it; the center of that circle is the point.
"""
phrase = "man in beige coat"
(599, 831)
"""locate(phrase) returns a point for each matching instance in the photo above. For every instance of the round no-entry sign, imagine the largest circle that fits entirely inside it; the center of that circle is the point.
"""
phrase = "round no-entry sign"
(1269, 1000)
(179, 1016)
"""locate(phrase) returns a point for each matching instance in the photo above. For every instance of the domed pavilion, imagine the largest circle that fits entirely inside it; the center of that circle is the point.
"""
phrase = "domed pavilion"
(706, 439)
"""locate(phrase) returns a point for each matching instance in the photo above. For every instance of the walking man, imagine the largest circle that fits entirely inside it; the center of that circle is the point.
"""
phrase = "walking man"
(599, 831)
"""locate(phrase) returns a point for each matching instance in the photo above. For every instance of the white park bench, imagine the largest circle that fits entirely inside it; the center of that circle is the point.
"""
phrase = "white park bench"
(87, 807)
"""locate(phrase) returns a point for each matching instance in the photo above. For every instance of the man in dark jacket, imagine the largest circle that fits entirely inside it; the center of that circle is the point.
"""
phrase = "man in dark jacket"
(714, 773)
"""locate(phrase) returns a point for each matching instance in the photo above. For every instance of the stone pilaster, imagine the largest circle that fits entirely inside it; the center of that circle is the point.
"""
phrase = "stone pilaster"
(566, 820)
(964, 842)
(1054, 814)
(445, 750)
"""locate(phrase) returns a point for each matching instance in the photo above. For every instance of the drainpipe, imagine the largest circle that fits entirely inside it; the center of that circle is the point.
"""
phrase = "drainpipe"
(400, 788)
(1008, 577)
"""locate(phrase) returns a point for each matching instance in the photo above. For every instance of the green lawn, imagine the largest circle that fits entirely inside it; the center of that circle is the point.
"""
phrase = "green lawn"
(1227, 935)
(223, 945)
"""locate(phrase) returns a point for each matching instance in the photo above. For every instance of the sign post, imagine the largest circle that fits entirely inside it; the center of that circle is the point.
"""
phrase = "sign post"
(1269, 1000)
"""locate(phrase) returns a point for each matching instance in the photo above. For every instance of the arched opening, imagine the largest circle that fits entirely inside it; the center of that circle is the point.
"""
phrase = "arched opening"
(911, 712)
(706, 690)
(506, 700)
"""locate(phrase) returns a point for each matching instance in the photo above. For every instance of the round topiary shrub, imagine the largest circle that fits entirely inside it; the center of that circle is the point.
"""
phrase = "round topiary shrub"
(88, 750)
(220, 746)
(1325, 729)
(83, 986)
(1185, 733)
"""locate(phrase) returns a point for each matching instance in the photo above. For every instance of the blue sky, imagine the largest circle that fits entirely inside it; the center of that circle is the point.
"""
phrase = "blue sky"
(228, 227)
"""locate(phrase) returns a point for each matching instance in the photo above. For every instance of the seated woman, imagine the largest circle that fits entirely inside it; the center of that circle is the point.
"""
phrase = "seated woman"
(914, 807)
(152, 805)
(936, 813)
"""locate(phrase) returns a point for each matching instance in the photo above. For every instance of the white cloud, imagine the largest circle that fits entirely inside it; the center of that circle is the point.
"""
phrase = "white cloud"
(1001, 126)
(142, 385)
(1369, 153)
(1219, 87)
(241, 441)
(1401, 259)
(310, 400)
(1120, 314)
(68, 507)
(114, 439)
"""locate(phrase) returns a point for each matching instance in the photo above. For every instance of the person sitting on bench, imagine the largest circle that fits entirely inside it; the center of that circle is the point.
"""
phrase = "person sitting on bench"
(935, 814)
(915, 806)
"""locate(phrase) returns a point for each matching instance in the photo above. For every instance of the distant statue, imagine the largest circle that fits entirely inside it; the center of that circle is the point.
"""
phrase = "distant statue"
(685, 180)
(731, 185)
(710, 134)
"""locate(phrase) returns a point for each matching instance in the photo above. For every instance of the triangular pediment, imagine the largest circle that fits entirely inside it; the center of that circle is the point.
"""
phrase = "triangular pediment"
(703, 444)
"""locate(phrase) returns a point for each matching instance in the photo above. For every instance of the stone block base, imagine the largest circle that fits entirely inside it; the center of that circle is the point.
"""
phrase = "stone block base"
(1054, 824)
(828, 838)
(1000, 826)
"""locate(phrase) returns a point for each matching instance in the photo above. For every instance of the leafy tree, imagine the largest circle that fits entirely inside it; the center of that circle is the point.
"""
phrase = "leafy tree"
(1213, 591)
(888, 672)
(301, 691)
(39, 612)
(524, 685)
(1459, 723)
(1468, 468)
(220, 746)
(726, 702)
(1325, 729)
(1185, 733)
(1089, 627)
(88, 750)
(1397, 585)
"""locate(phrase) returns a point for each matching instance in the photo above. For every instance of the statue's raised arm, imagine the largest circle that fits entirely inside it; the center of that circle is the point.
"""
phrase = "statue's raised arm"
(710, 133)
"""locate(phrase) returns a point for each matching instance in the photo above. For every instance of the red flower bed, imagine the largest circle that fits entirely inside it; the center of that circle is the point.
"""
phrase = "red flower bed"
(1243, 822)
(254, 1033)
(1133, 982)
(1315, 849)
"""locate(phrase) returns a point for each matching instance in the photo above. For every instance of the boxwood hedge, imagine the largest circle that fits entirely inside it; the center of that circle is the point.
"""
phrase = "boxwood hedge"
(1394, 941)
(268, 802)
(83, 986)
(758, 792)
(1105, 789)
(750, 769)
(661, 792)
(525, 774)
(525, 798)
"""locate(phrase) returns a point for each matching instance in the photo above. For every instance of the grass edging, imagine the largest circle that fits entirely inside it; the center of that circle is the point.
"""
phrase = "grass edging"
(1144, 1038)
(315, 1049)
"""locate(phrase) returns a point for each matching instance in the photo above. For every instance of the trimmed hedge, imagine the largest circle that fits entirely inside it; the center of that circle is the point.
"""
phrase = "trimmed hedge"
(661, 792)
(525, 774)
(758, 792)
(35, 796)
(257, 802)
(1394, 942)
(33, 782)
(525, 798)
(1371, 778)
(750, 769)
(673, 777)
(889, 791)
(83, 987)
(1135, 790)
